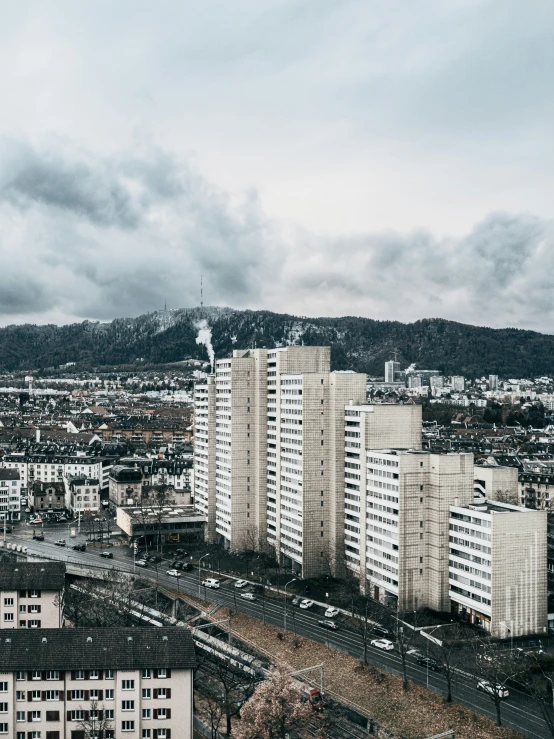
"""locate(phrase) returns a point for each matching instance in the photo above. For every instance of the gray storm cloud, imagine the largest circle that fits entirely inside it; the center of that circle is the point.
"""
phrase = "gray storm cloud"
(96, 237)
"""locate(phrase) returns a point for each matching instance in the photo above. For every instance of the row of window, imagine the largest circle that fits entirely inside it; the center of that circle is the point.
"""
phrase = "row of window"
(108, 733)
(146, 674)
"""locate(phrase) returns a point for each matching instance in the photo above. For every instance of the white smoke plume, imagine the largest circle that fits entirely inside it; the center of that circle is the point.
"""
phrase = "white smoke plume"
(408, 370)
(205, 337)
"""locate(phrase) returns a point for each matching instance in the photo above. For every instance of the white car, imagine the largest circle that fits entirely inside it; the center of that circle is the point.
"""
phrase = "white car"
(382, 644)
(331, 612)
(306, 604)
(241, 584)
(174, 573)
(248, 596)
(210, 583)
(487, 687)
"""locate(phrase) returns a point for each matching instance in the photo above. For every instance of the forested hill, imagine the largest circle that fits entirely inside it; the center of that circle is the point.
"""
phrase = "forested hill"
(360, 344)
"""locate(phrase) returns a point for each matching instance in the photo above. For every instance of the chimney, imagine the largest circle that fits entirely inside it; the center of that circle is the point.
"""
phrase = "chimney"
(37, 436)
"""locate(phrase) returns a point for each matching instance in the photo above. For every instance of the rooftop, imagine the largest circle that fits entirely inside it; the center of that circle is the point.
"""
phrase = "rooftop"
(119, 648)
(32, 576)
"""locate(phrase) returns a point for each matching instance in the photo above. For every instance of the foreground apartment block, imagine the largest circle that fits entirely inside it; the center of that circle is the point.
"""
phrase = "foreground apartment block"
(80, 683)
(498, 567)
(31, 595)
(269, 459)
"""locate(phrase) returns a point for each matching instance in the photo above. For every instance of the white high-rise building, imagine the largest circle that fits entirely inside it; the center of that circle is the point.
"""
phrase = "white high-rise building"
(493, 382)
(458, 383)
(270, 461)
(392, 371)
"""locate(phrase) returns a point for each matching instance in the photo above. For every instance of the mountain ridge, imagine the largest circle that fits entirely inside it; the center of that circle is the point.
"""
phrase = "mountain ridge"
(360, 344)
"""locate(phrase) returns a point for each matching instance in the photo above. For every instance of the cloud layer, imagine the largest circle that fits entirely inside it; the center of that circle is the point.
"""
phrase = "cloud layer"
(91, 237)
(335, 157)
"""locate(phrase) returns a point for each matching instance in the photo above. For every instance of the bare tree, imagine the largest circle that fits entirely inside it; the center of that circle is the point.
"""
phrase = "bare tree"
(493, 667)
(536, 677)
(230, 684)
(94, 723)
(449, 650)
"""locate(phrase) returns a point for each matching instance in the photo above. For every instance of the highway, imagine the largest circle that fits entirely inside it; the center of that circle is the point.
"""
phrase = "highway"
(517, 711)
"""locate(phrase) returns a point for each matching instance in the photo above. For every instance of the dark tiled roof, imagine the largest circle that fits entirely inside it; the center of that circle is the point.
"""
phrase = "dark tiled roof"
(76, 649)
(32, 576)
(6, 474)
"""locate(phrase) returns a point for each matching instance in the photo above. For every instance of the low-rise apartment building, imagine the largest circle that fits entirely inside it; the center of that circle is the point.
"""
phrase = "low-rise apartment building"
(82, 494)
(31, 595)
(78, 683)
(498, 567)
(47, 497)
(10, 495)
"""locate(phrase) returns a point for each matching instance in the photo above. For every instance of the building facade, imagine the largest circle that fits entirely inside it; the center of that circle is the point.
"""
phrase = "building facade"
(496, 482)
(498, 568)
(269, 440)
(408, 495)
(31, 595)
(79, 683)
(125, 486)
(10, 494)
(47, 497)
(82, 494)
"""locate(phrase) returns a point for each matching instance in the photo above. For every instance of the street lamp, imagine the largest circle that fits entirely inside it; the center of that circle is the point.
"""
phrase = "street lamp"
(200, 568)
(286, 586)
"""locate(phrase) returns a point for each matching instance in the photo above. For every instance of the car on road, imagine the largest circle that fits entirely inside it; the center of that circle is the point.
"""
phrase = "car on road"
(60, 542)
(331, 612)
(306, 604)
(182, 552)
(241, 584)
(141, 563)
(382, 644)
(36, 521)
(185, 566)
(174, 573)
(62, 519)
(80, 547)
(248, 596)
(38, 535)
(328, 624)
(380, 631)
(296, 601)
(487, 687)
(107, 555)
(210, 582)
(430, 663)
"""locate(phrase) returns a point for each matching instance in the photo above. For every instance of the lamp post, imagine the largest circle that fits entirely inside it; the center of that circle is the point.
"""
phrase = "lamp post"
(286, 586)
(200, 568)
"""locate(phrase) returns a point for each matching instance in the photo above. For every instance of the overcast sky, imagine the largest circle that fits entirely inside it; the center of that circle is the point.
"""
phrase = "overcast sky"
(385, 158)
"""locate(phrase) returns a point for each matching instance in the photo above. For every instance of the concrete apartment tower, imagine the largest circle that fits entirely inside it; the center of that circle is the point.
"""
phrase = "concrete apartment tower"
(278, 453)
(204, 453)
(498, 568)
(405, 548)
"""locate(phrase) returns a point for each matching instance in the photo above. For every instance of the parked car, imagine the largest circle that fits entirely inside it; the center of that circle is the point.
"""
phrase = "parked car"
(60, 542)
(382, 644)
(174, 573)
(331, 612)
(241, 584)
(107, 555)
(430, 663)
(487, 687)
(210, 582)
(327, 624)
(36, 521)
(380, 631)
(141, 563)
(80, 547)
(306, 604)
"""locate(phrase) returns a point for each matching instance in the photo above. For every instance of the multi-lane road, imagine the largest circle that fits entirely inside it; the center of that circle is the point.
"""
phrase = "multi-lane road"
(517, 711)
